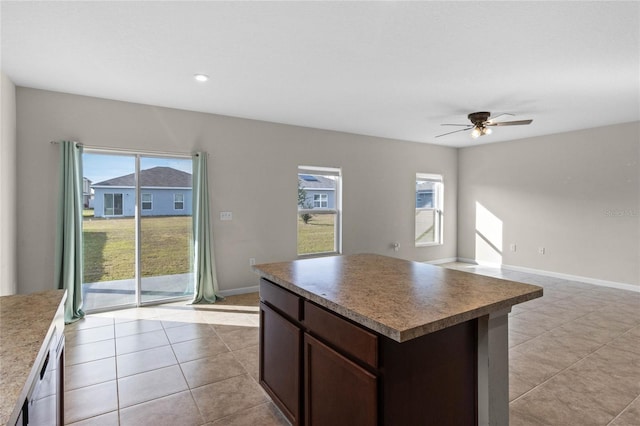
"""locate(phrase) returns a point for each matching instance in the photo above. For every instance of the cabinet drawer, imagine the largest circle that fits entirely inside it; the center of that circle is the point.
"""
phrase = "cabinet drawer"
(342, 334)
(281, 299)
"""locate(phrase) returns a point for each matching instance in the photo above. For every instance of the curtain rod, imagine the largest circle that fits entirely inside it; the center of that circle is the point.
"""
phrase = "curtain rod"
(130, 151)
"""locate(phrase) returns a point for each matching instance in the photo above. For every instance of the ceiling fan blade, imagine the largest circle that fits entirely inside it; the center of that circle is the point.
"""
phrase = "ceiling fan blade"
(493, 119)
(464, 125)
(455, 131)
(509, 123)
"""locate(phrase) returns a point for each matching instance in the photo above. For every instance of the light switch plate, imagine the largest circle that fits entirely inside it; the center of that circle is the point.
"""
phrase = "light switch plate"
(226, 216)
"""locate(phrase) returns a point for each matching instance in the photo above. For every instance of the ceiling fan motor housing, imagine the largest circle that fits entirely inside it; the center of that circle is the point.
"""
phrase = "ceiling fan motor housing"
(477, 118)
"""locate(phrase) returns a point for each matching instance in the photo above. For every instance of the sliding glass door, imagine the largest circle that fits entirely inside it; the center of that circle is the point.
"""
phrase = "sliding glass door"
(109, 235)
(137, 229)
(165, 229)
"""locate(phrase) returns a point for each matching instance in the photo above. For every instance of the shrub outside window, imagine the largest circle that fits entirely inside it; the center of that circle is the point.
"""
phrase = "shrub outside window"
(319, 211)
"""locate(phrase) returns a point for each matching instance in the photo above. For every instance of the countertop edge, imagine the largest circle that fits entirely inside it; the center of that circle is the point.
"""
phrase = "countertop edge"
(397, 335)
(13, 417)
(467, 316)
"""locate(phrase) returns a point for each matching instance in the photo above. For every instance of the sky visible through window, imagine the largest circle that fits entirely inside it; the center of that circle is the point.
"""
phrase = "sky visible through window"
(101, 167)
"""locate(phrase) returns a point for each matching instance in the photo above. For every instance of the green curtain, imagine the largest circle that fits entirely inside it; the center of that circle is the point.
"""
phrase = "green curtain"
(206, 284)
(68, 253)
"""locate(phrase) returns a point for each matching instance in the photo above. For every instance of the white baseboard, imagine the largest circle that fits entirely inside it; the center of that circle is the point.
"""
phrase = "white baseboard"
(441, 261)
(588, 280)
(235, 291)
(481, 263)
(594, 281)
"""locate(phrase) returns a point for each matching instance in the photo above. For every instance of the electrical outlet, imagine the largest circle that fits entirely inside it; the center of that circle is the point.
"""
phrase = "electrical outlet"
(252, 261)
(512, 246)
(226, 216)
(540, 250)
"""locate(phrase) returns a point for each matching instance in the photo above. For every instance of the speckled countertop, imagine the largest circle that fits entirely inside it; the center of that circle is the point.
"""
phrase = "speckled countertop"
(396, 298)
(26, 323)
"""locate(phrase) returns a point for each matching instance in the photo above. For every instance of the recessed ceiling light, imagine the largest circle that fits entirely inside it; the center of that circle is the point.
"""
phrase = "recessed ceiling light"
(201, 77)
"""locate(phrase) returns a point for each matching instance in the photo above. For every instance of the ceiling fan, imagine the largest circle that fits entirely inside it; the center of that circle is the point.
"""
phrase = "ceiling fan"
(481, 124)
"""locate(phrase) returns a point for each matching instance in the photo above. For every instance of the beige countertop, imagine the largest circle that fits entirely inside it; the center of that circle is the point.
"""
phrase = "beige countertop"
(396, 298)
(26, 324)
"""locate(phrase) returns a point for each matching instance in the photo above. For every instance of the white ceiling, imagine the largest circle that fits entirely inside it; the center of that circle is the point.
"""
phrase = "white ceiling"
(390, 69)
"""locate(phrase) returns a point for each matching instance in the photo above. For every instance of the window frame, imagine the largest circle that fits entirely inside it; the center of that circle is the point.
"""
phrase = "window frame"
(175, 201)
(113, 203)
(437, 208)
(323, 201)
(336, 173)
(143, 202)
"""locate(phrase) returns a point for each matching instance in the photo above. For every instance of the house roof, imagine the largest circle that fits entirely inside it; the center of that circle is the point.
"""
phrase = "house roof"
(424, 186)
(316, 182)
(154, 177)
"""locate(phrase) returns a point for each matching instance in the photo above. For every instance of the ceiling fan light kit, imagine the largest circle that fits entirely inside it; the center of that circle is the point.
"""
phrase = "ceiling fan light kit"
(480, 123)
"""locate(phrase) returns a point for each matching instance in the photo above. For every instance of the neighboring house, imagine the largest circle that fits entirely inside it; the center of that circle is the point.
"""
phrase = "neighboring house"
(87, 193)
(320, 191)
(424, 195)
(164, 191)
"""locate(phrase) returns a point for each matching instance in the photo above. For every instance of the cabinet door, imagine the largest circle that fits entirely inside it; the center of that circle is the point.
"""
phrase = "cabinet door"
(337, 391)
(280, 361)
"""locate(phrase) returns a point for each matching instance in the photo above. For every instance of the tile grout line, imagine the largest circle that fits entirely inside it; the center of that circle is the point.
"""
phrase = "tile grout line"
(155, 369)
(200, 412)
(568, 367)
(637, 398)
(94, 384)
(182, 372)
(550, 330)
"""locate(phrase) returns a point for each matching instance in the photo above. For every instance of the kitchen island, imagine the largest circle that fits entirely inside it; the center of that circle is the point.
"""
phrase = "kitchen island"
(368, 340)
(31, 358)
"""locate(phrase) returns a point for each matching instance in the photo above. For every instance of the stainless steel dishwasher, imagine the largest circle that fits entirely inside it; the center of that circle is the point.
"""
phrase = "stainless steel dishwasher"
(43, 406)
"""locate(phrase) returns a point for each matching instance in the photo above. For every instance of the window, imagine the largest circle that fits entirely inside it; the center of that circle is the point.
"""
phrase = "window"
(320, 201)
(147, 201)
(429, 197)
(113, 204)
(178, 201)
(319, 215)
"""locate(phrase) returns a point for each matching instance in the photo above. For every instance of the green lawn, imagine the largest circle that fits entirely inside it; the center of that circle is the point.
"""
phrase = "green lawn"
(109, 247)
(317, 236)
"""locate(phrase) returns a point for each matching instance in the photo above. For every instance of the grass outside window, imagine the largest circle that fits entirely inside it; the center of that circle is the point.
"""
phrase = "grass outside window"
(109, 247)
(318, 235)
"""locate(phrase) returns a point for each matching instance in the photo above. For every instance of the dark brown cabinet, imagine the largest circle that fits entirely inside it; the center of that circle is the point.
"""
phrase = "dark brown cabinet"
(318, 368)
(337, 391)
(280, 341)
(322, 369)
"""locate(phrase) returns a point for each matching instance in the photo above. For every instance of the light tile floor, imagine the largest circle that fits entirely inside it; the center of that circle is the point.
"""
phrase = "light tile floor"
(574, 360)
(574, 354)
(171, 364)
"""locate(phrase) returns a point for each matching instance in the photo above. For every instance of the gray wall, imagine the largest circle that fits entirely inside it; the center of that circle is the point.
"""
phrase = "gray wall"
(576, 194)
(253, 173)
(8, 196)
